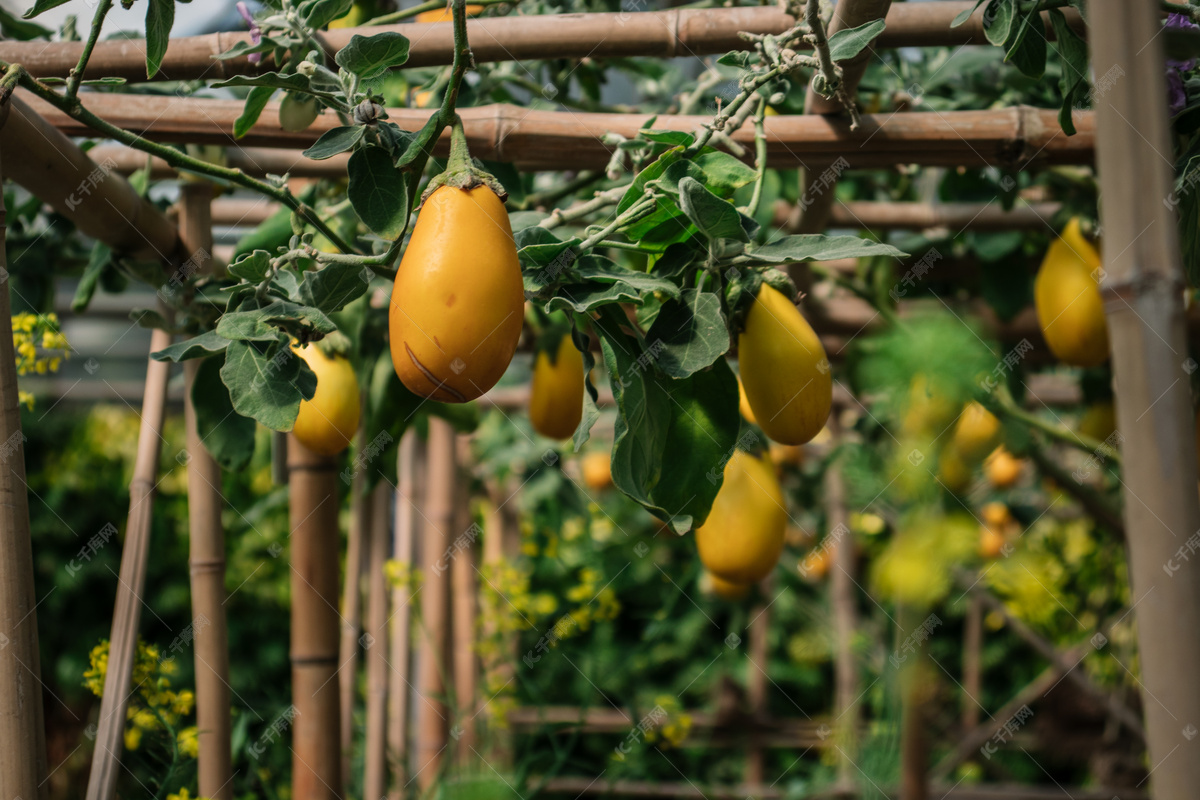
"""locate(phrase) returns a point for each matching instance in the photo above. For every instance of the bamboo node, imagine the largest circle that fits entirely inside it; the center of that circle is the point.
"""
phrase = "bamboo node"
(199, 566)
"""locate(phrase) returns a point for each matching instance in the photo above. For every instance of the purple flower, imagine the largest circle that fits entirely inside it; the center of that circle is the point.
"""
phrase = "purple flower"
(256, 32)
(1176, 96)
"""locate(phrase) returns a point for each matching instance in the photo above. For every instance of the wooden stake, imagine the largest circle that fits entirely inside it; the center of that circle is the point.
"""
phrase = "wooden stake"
(206, 543)
(351, 622)
(462, 577)
(375, 778)
(313, 507)
(1143, 289)
(843, 597)
(407, 493)
(23, 770)
(127, 611)
(756, 683)
(433, 713)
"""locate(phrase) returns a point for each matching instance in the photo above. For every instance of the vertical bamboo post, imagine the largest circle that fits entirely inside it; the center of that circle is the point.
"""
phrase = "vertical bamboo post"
(462, 577)
(1147, 328)
(756, 687)
(127, 611)
(842, 584)
(360, 524)
(499, 543)
(375, 777)
(23, 754)
(433, 712)
(206, 543)
(313, 507)
(972, 663)
(914, 743)
(402, 551)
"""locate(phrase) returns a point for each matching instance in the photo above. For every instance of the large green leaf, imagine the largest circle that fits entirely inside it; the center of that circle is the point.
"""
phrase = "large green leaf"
(252, 267)
(1027, 51)
(335, 141)
(818, 247)
(585, 297)
(724, 174)
(197, 347)
(716, 218)
(264, 324)
(378, 192)
(319, 13)
(256, 101)
(690, 332)
(371, 56)
(332, 286)
(42, 5)
(1072, 80)
(160, 18)
(846, 44)
(998, 20)
(13, 28)
(267, 384)
(227, 435)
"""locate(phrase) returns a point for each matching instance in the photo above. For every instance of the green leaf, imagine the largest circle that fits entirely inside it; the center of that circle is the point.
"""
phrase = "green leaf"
(265, 384)
(149, 318)
(98, 261)
(723, 173)
(692, 333)
(253, 267)
(160, 17)
(1028, 49)
(653, 171)
(818, 247)
(335, 141)
(716, 218)
(319, 13)
(846, 44)
(332, 286)
(672, 138)
(1072, 80)
(245, 47)
(998, 20)
(737, 58)
(584, 297)
(264, 324)
(294, 82)
(965, 15)
(670, 435)
(256, 101)
(42, 5)
(371, 56)
(598, 268)
(13, 28)
(200, 346)
(378, 192)
(591, 411)
(227, 435)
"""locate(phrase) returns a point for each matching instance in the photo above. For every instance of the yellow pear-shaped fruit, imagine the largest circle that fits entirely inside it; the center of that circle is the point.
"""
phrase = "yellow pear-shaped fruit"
(788, 381)
(743, 536)
(1069, 306)
(976, 433)
(556, 398)
(327, 423)
(458, 301)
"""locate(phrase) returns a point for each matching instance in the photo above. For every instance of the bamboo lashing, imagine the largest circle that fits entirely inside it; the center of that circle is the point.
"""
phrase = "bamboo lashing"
(131, 581)
(23, 768)
(663, 34)
(1014, 137)
(206, 543)
(1143, 286)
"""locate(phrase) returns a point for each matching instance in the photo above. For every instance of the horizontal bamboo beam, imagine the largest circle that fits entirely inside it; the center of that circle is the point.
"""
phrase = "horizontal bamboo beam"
(662, 34)
(1014, 137)
(100, 202)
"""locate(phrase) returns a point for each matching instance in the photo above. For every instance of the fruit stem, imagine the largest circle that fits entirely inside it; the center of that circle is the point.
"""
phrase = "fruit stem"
(461, 171)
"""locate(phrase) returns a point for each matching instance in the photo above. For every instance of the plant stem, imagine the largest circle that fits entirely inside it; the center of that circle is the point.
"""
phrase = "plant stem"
(93, 35)
(1003, 401)
(1093, 502)
(177, 159)
(760, 157)
(829, 71)
(603, 199)
(639, 209)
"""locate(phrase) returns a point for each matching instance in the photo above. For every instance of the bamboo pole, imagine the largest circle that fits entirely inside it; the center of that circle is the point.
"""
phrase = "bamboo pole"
(351, 622)
(206, 544)
(464, 593)
(127, 611)
(1143, 291)
(842, 596)
(758, 654)
(375, 777)
(664, 34)
(500, 542)
(433, 711)
(1015, 137)
(23, 768)
(101, 204)
(407, 492)
(313, 508)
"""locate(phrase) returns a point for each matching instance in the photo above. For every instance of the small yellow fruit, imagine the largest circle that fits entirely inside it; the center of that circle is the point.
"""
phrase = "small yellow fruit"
(744, 404)
(976, 433)
(597, 471)
(445, 14)
(953, 472)
(991, 542)
(458, 302)
(556, 398)
(1099, 421)
(743, 536)
(787, 377)
(815, 565)
(1069, 306)
(996, 515)
(326, 423)
(1002, 468)
(726, 590)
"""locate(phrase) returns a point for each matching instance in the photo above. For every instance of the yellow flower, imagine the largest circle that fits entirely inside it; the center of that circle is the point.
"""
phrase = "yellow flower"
(181, 795)
(133, 738)
(189, 741)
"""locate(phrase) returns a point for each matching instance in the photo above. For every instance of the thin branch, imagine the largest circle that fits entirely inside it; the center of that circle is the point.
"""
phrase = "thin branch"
(831, 74)
(93, 35)
(608, 197)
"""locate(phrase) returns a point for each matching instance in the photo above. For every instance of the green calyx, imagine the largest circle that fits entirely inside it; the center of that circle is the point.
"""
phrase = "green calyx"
(461, 171)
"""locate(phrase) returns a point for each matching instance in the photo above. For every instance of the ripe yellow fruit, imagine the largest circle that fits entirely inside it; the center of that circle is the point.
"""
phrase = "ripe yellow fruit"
(1099, 421)
(744, 404)
(327, 423)
(445, 15)
(1069, 306)
(726, 590)
(556, 398)
(597, 471)
(976, 433)
(458, 301)
(815, 565)
(788, 381)
(996, 515)
(953, 472)
(1002, 468)
(991, 542)
(743, 536)
(297, 112)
